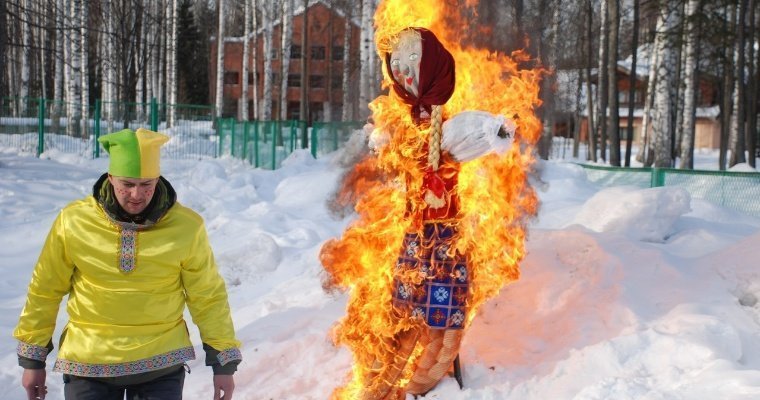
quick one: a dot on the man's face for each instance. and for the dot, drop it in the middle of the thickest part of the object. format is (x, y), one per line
(405, 61)
(133, 194)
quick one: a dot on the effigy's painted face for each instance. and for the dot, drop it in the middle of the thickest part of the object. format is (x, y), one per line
(405, 61)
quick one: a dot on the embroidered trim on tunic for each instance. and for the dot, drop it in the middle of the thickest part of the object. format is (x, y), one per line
(32, 351)
(157, 362)
(228, 355)
(128, 238)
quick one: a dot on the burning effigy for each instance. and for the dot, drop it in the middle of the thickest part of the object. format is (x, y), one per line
(442, 200)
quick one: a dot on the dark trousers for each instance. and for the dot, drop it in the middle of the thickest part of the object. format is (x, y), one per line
(166, 387)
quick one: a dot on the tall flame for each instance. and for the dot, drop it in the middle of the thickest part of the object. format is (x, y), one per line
(495, 198)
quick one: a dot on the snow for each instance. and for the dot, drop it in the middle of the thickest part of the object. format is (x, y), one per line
(626, 293)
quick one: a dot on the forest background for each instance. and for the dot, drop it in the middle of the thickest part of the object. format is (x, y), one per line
(76, 51)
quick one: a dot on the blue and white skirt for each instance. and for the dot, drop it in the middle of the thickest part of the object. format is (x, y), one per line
(431, 281)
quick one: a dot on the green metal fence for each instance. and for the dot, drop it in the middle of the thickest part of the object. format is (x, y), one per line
(329, 136)
(736, 190)
(35, 126)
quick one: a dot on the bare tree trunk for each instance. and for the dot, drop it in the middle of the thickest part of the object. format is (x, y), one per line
(303, 110)
(690, 92)
(614, 102)
(365, 59)
(74, 77)
(753, 69)
(84, 49)
(243, 101)
(43, 34)
(738, 137)
(602, 80)
(577, 119)
(589, 90)
(255, 61)
(632, 83)
(26, 41)
(347, 114)
(662, 124)
(171, 60)
(219, 97)
(286, 38)
(59, 66)
(645, 155)
(328, 110)
(268, 21)
(727, 92)
(3, 40)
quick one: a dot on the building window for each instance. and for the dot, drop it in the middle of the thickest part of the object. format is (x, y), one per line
(275, 52)
(316, 81)
(317, 52)
(337, 82)
(231, 77)
(294, 80)
(295, 51)
(294, 110)
(337, 53)
(250, 78)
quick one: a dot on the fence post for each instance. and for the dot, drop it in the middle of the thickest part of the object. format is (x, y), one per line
(256, 143)
(153, 114)
(40, 126)
(219, 134)
(313, 143)
(277, 129)
(245, 140)
(658, 177)
(95, 143)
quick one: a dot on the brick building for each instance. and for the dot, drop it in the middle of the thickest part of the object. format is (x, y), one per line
(325, 37)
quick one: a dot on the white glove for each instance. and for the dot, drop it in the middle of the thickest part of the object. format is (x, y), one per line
(471, 134)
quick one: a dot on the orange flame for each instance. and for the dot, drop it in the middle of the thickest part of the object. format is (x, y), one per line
(495, 198)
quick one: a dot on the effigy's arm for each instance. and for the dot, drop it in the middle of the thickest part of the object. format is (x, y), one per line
(472, 134)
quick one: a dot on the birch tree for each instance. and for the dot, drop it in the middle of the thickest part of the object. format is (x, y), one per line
(752, 69)
(26, 40)
(3, 40)
(74, 93)
(286, 38)
(602, 80)
(329, 57)
(255, 61)
(589, 89)
(613, 101)
(632, 83)
(365, 58)
(84, 17)
(219, 98)
(347, 112)
(268, 22)
(668, 19)
(171, 61)
(727, 105)
(738, 127)
(59, 66)
(690, 93)
(243, 102)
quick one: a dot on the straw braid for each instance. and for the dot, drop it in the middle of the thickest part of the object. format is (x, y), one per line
(440, 351)
(434, 145)
(383, 386)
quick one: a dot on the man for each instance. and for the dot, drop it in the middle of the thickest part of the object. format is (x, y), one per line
(129, 257)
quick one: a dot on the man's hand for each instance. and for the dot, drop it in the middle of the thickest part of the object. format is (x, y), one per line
(33, 380)
(224, 385)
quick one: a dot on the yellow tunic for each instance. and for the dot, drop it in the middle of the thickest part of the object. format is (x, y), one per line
(127, 288)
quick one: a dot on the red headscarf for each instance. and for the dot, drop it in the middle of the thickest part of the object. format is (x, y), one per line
(436, 83)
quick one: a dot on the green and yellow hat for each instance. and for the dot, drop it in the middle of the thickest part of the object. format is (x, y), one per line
(134, 154)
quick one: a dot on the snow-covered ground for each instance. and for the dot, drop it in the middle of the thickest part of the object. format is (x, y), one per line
(653, 298)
